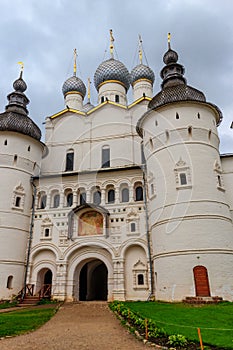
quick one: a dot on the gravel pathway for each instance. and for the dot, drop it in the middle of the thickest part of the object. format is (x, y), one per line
(82, 326)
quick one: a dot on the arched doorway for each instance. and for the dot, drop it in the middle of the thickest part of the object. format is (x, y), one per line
(44, 283)
(201, 281)
(93, 281)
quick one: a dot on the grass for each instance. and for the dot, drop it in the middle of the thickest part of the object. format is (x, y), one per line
(19, 322)
(215, 321)
(7, 304)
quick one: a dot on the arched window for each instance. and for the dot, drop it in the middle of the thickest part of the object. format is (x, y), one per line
(102, 99)
(105, 156)
(139, 193)
(43, 201)
(69, 161)
(140, 279)
(117, 98)
(56, 200)
(97, 197)
(82, 198)
(9, 282)
(111, 196)
(125, 195)
(5, 143)
(69, 199)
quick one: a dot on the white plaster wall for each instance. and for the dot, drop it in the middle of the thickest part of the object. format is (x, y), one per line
(142, 87)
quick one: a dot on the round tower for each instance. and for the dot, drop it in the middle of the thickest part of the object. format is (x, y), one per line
(142, 78)
(74, 90)
(191, 226)
(112, 79)
(20, 154)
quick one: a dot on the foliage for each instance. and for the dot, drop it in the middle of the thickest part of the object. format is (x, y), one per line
(7, 304)
(45, 301)
(177, 340)
(18, 322)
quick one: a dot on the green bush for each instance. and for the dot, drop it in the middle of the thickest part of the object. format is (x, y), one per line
(177, 340)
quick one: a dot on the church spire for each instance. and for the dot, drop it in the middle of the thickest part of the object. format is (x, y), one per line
(140, 49)
(111, 44)
(75, 64)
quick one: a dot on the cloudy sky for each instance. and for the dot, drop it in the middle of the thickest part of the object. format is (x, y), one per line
(44, 33)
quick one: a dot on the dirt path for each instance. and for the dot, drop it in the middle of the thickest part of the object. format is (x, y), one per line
(82, 326)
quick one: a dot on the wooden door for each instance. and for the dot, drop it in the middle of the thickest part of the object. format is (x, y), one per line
(201, 281)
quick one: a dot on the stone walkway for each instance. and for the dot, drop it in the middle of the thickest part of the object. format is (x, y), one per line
(81, 326)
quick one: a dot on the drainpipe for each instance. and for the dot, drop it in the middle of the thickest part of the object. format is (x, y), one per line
(30, 237)
(147, 223)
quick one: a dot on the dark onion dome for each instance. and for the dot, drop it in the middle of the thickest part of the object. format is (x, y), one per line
(112, 70)
(142, 72)
(87, 107)
(15, 118)
(74, 84)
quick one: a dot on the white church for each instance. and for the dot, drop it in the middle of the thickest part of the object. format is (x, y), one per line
(121, 201)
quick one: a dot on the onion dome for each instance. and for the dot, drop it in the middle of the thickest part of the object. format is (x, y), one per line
(15, 118)
(111, 70)
(74, 84)
(142, 72)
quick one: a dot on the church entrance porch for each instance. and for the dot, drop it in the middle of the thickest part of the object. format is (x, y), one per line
(93, 281)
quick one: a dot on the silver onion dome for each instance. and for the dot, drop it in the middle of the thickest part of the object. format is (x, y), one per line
(112, 70)
(74, 84)
(142, 72)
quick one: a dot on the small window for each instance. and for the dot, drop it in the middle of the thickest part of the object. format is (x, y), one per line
(69, 199)
(111, 196)
(105, 157)
(82, 198)
(47, 232)
(29, 148)
(117, 98)
(177, 116)
(190, 131)
(219, 181)
(5, 143)
(17, 201)
(132, 227)
(69, 161)
(102, 99)
(183, 179)
(151, 144)
(156, 123)
(43, 202)
(139, 193)
(9, 282)
(56, 201)
(125, 195)
(97, 197)
(152, 191)
(198, 115)
(15, 159)
(140, 279)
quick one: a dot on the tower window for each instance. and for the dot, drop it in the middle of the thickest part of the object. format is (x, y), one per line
(132, 227)
(9, 282)
(198, 115)
(47, 232)
(29, 148)
(177, 116)
(69, 161)
(152, 189)
(117, 98)
(105, 156)
(82, 198)
(15, 159)
(140, 279)
(125, 195)
(183, 179)
(219, 181)
(43, 201)
(139, 193)
(17, 201)
(102, 99)
(111, 196)
(5, 143)
(56, 201)
(69, 199)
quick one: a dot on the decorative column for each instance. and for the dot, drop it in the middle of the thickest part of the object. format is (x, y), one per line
(118, 276)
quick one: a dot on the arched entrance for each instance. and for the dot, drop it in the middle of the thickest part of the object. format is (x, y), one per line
(93, 281)
(201, 281)
(44, 283)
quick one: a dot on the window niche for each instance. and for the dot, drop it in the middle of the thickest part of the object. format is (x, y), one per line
(140, 276)
(132, 221)
(9, 283)
(105, 162)
(219, 177)
(182, 175)
(18, 198)
(69, 161)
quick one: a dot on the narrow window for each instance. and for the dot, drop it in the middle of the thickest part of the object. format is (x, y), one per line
(69, 161)
(46, 232)
(177, 116)
(167, 135)
(140, 279)
(125, 195)
(143, 154)
(97, 197)
(198, 115)
(82, 198)
(132, 227)
(43, 201)
(15, 159)
(29, 148)
(151, 144)
(117, 98)
(5, 143)
(139, 193)
(105, 157)
(209, 134)
(17, 201)
(102, 99)
(156, 123)
(152, 189)
(219, 181)
(190, 131)
(69, 199)
(183, 179)
(111, 196)
(9, 282)
(56, 201)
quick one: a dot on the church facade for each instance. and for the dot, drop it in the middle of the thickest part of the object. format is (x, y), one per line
(121, 201)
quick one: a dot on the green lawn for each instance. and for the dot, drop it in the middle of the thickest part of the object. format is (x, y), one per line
(18, 322)
(215, 321)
